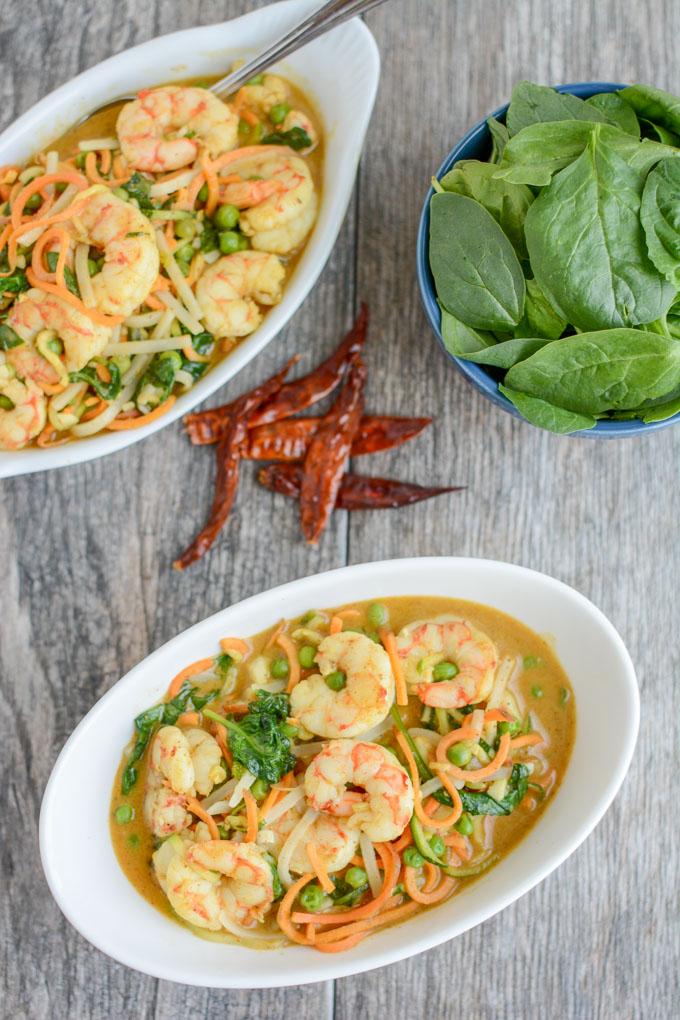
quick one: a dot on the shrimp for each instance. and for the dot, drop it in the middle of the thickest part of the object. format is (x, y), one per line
(181, 763)
(271, 91)
(277, 193)
(164, 129)
(230, 291)
(424, 644)
(29, 364)
(334, 840)
(131, 258)
(37, 310)
(385, 807)
(23, 412)
(363, 701)
(205, 757)
(244, 883)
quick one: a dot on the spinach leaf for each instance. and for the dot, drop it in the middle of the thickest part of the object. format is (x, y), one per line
(209, 237)
(658, 133)
(661, 412)
(297, 138)
(259, 741)
(15, 283)
(461, 340)
(105, 390)
(69, 276)
(615, 369)
(138, 187)
(540, 318)
(507, 202)
(476, 803)
(586, 244)
(532, 104)
(617, 111)
(477, 273)
(660, 216)
(545, 415)
(508, 353)
(499, 139)
(8, 338)
(654, 104)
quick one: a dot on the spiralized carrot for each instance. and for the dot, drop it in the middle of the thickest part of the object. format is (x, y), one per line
(359, 927)
(497, 715)
(268, 802)
(71, 299)
(251, 816)
(335, 625)
(283, 915)
(404, 840)
(284, 642)
(210, 175)
(471, 775)
(37, 185)
(189, 719)
(389, 641)
(123, 424)
(218, 732)
(391, 872)
(423, 817)
(319, 869)
(526, 740)
(422, 895)
(235, 644)
(184, 674)
(196, 809)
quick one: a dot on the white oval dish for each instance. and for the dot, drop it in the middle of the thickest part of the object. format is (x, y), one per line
(346, 57)
(96, 897)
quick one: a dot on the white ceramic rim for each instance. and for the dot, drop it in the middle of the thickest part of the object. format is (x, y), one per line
(129, 70)
(363, 957)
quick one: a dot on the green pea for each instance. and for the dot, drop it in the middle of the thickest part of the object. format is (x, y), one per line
(279, 668)
(256, 80)
(121, 193)
(532, 662)
(185, 229)
(465, 826)
(459, 754)
(308, 617)
(123, 814)
(537, 691)
(312, 897)
(203, 194)
(56, 346)
(80, 160)
(185, 253)
(438, 846)
(356, 877)
(133, 840)
(92, 267)
(59, 187)
(377, 615)
(226, 217)
(306, 656)
(413, 858)
(33, 203)
(259, 789)
(336, 680)
(5, 403)
(508, 727)
(184, 267)
(279, 112)
(229, 242)
(445, 671)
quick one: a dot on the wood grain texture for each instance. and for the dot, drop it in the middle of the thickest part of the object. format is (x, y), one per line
(88, 590)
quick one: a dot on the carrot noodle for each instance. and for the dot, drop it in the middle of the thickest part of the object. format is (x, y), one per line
(236, 708)
(526, 740)
(404, 840)
(193, 190)
(119, 425)
(275, 633)
(189, 719)
(283, 915)
(472, 775)
(268, 802)
(390, 642)
(335, 625)
(51, 234)
(359, 927)
(432, 876)
(423, 817)
(196, 809)
(106, 160)
(50, 437)
(71, 299)
(497, 715)
(284, 642)
(211, 181)
(425, 895)
(196, 667)
(319, 869)
(251, 816)
(219, 733)
(234, 644)
(391, 870)
(191, 355)
(37, 185)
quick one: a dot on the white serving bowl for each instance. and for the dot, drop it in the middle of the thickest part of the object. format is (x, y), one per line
(339, 71)
(97, 898)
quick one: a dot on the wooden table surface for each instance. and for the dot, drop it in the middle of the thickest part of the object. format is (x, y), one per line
(88, 590)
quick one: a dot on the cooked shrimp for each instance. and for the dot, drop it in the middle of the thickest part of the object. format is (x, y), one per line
(206, 758)
(231, 290)
(23, 412)
(29, 364)
(277, 194)
(165, 810)
(361, 703)
(385, 807)
(164, 129)
(423, 645)
(246, 883)
(334, 840)
(128, 242)
(271, 91)
(298, 119)
(82, 338)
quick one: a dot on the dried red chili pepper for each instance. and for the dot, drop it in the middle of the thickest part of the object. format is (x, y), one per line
(328, 452)
(206, 426)
(288, 440)
(356, 492)
(228, 458)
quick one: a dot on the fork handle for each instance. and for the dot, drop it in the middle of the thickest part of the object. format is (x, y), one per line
(322, 19)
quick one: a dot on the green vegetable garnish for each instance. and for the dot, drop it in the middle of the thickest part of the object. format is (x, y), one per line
(306, 656)
(336, 680)
(123, 814)
(105, 390)
(296, 138)
(279, 668)
(445, 671)
(138, 187)
(413, 857)
(258, 741)
(312, 897)
(8, 338)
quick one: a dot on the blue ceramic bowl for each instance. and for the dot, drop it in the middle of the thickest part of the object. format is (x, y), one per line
(476, 144)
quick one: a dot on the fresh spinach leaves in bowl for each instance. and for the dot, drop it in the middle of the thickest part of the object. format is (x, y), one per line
(556, 262)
